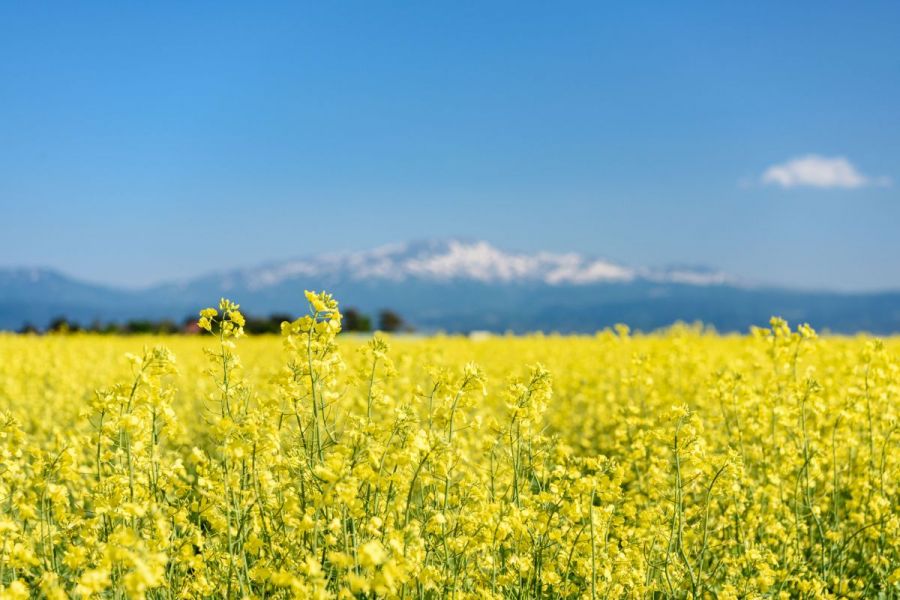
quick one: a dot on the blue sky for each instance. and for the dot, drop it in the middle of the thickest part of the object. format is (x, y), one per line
(143, 142)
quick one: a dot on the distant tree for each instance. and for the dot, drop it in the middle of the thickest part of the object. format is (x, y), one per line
(166, 326)
(62, 325)
(139, 326)
(111, 328)
(255, 325)
(279, 318)
(388, 321)
(263, 325)
(27, 328)
(355, 321)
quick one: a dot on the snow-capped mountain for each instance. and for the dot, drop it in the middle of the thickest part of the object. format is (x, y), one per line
(456, 260)
(458, 285)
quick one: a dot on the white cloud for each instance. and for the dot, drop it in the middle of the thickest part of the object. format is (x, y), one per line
(817, 171)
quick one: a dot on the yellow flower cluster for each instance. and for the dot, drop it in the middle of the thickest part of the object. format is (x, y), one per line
(682, 464)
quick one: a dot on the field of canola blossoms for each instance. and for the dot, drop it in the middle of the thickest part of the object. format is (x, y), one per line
(683, 464)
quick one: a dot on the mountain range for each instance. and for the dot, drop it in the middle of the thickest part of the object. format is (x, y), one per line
(459, 285)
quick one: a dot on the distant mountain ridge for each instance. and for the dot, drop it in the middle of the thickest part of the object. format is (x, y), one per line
(459, 285)
(454, 260)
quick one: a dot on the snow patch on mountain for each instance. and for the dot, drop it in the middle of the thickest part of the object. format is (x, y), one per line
(461, 260)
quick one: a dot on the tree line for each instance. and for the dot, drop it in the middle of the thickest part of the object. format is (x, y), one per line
(353, 321)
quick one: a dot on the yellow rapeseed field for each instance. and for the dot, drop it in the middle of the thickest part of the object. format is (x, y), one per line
(683, 464)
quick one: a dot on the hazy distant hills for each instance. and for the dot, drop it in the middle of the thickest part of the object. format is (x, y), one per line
(459, 285)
